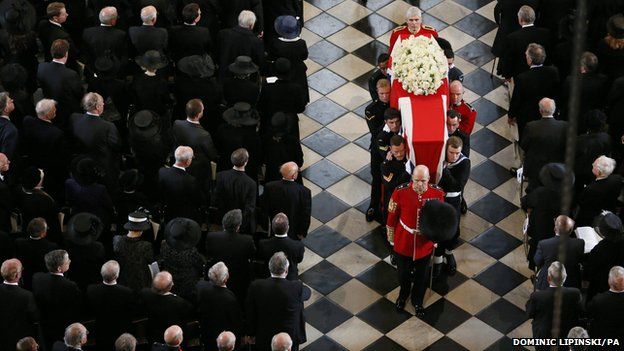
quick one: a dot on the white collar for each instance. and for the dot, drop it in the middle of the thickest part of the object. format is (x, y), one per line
(9, 283)
(277, 276)
(59, 274)
(1, 176)
(548, 117)
(611, 290)
(451, 66)
(535, 66)
(190, 24)
(178, 167)
(238, 169)
(281, 236)
(57, 61)
(191, 121)
(5, 116)
(54, 23)
(527, 25)
(110, 284)
(92, 114)
(289, 40)
(45, 120)
(150, 73)
(105, 25)
(31, 238)
(288, 180)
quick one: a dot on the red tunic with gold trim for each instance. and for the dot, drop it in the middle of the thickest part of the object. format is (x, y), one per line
(469, 116)
(402, 32)
(403, 216)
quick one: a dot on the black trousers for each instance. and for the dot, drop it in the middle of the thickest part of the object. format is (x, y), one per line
(450, 244)
(412, 278)
(375, 199)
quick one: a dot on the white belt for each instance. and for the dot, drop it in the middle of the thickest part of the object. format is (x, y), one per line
(454, 194)
(408, 229)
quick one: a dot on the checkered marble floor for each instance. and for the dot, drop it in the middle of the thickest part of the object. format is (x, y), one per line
(346, 264)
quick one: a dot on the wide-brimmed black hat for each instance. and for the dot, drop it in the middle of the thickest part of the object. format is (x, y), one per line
(85, 170)
(241, 114)
(197, 66)
(608, 224)
(106, 67)
(151, 60)
(282, 67)
(280, 124)
(243, 65)
(595, 119)
(552, 175)
(182, 233)
(144, 124)
(137, 221)
(287, 27)
(130, 180)
(438, 221)
(31, 176)
(17, 15)
(615, 26)
(83, 228)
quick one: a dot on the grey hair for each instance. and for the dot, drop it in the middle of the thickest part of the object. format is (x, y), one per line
(536, 53)
(547, 107)
(578, 333)
(74, 334)
(110, 271)
(526, 14)
(148, 14)
(281, 342)
(44, 106)
(232, 220)
(278, 264)
(605, 165)
(246, 19)
(125, 342)
(108, 15)
(616, 278)
(557, 273)
(183, 153)
(226, 341)
(91, 100)
(218, 274)
(54, 259)
(413, 12)
(280, 224)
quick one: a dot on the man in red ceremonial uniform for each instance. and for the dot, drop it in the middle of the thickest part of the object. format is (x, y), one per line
(413, 17)
(468, 113)
(412, 249)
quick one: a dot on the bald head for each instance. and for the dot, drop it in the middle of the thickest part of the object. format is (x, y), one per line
(226, 341)
(420, 179)
(173, 336)
(563, 225)
(281, 342)
(456, 89)
(162, 283)
(11, 270)
(289, 170)
(547, 107)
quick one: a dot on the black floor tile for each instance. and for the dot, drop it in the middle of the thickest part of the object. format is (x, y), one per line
(476, 26)
(324, 173)
(325, 241)
(325, 53)
(318, 277)
(324, 343)
(504, 344)
(324, 4)
(375, 242)
(325, 315)
(495, 242)
(324, 142)
(383, 316)
(381, 277)
(374, 25)
(500, 279)
(324, 111)
(480, 82)
(446, 283)
(503, 316)
(433, 22)
(487, 111)
(473, 4)
(477, 52)
(386, 344)
(445, 316)
(490, 174)
(370, 51)
(487, 142)
(326, 207)
(325, 24)
(325, 81)
(445, 344)
(365, 174)
(374, 4)
(362, 81)
(493, 208)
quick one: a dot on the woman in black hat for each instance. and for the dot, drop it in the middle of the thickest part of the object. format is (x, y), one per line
(243, 83)
(589, 146)
(18, 42)
(130, 198)
(240, 131)
(610, 50)
(87, 253)
(607, 253)
(280, 145)
(150, 90)
(133, 253)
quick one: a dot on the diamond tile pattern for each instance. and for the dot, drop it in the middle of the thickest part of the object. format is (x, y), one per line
(347, 259)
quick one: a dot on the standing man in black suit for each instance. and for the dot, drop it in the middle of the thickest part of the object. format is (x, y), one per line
(230, 12)
(217, 306)
(163, 308)
(105, 40)
(236, 190)
(112, 306)
(548, 252)
(8, 131)
(51, 29)
(60, 83)
(543, 142)
(146, 36)
(58, 298)
(280, 241)
(236, 250)
(291, 198)
(540, 304)
(189, 38)
(506, 16)
(18, 311)
(601, 194)
(30, 250)
(98, 138)
(530, 87)
(240, 40)
(74, 339)
(275, 305)
(607, 309)
(512, 62)
(179, 191)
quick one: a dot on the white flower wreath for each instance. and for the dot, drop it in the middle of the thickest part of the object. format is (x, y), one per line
(420, 65)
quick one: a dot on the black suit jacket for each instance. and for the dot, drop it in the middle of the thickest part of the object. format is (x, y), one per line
(63, 85)
(48, 33)
(231, 9)
(540, 308)
(293, 249)
(112, 307)
(274, 9)
(594, 89)
(283, 95)
(275, 305)
(548, 252)
(99, 139)
(8, 139)
(180, 194)
(607, 312)
(218, 311)
(597, 196)
(506, 16)
(101, 41)
(30, 252)
(239, 41)
(194, 135)
(164, 311)
(144, 38)
(18, 314)
(236, 190)
(543, 141)
(60, 303)
(513, 61)
(294, 200)
(187, 40)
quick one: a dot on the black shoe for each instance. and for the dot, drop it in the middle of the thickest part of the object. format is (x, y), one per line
(437, 269)
(451, 264)
(400, 304)
(463, 208)
(370, 214)
(419, 311)
(513, 171)
(392, 260)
